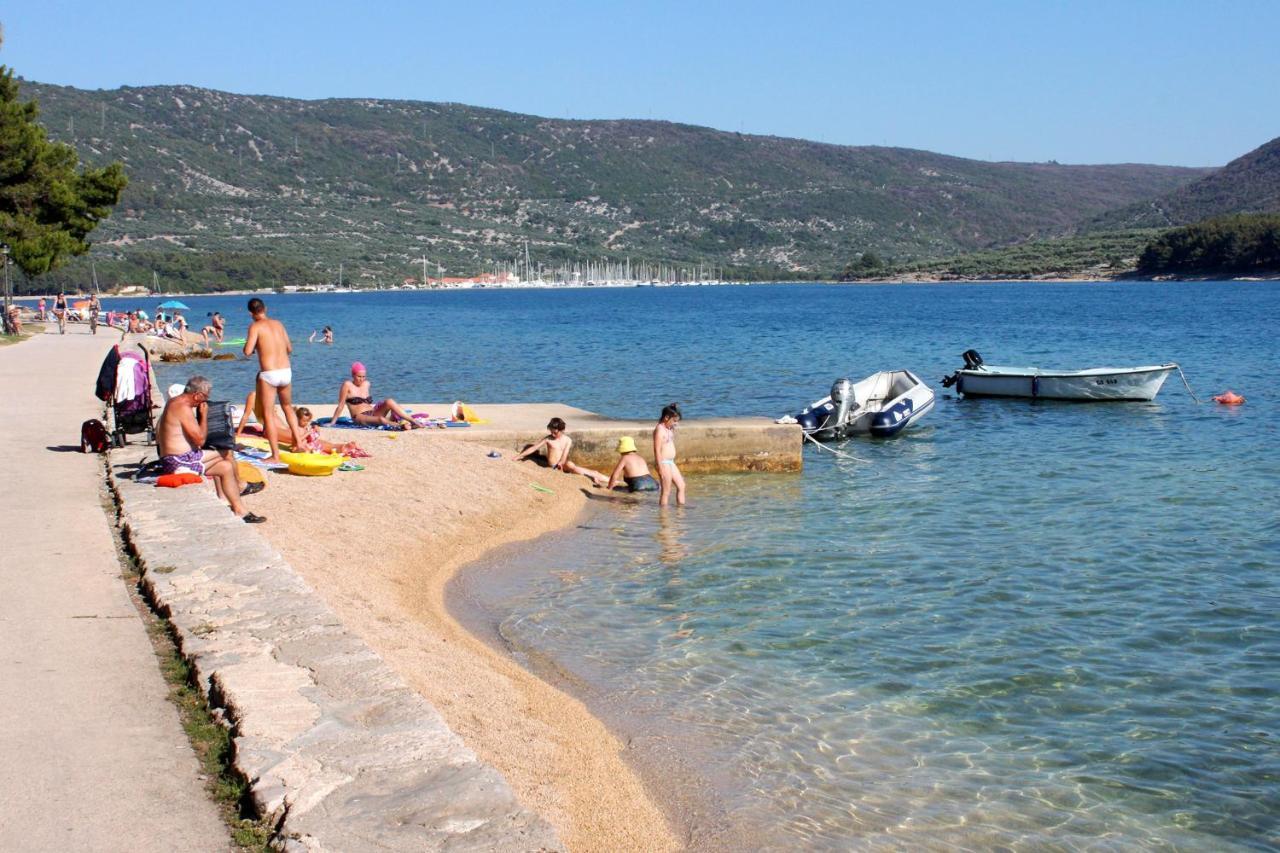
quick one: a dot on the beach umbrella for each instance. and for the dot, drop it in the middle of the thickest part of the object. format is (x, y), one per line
(175, 305)
(143, 315)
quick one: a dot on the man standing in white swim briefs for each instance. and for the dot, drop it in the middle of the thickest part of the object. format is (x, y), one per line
(270, 340)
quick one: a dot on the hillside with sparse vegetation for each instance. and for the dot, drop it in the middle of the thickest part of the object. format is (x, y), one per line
(1248, 184)
(234, 191)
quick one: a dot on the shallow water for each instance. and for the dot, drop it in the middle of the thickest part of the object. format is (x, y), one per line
(1020, 625)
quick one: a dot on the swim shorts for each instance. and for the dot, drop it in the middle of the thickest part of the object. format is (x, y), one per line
(191, 462)
(643, 483)
(277, 378)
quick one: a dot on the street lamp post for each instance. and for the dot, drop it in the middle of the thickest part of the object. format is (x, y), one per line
(8, 299)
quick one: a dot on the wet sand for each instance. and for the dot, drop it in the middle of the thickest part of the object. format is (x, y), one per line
(380, 546)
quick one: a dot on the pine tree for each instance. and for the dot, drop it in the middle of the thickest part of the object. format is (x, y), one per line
(48, 204)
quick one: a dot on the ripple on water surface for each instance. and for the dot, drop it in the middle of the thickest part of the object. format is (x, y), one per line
(1023, 626)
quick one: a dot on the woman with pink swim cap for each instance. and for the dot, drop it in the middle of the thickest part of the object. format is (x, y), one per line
(356, 395)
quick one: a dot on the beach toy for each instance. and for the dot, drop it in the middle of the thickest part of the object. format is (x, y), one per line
(312, 464)
(248, 473)
(542, 489)
(173, 481)
(463, 412)
(1228, 398)
(233, 342)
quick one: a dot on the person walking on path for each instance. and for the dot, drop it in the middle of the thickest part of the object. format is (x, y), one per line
(60, 311)
(94, 307)
(268, 338)
(664, 452)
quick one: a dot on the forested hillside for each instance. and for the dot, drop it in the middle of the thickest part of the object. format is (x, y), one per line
(279, 189)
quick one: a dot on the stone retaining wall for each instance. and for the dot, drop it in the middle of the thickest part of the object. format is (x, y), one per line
(334, 744)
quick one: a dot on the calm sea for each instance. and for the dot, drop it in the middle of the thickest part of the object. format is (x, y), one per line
(1028, 626)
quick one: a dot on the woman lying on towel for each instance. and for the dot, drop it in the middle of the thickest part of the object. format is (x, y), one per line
(356, 395)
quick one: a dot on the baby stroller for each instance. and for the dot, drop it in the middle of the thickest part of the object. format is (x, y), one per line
(124, 381)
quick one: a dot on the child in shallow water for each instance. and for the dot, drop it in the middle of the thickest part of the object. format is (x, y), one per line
(313, 443)
(631, 468)
(664, 451)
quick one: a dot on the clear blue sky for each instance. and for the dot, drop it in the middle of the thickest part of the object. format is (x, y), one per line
(1167, 81)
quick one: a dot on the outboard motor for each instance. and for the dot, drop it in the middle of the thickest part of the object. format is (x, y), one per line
(842, 397)
(972, 361)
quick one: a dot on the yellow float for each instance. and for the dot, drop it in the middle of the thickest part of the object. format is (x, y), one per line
(312, 464)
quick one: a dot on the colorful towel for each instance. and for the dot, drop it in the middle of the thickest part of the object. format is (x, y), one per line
(347, 423)
(257, 458)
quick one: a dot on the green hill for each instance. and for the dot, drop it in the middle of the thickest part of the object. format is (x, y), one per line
(1102, 255)
(1241, 244)
(1248, 184)
(228, 190)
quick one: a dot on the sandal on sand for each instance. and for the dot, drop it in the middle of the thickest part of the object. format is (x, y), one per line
(252, 488)
(250, 518)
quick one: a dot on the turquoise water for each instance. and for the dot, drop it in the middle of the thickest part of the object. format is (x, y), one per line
(1022, 625)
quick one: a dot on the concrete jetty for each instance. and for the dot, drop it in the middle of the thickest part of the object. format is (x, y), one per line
(706, 445)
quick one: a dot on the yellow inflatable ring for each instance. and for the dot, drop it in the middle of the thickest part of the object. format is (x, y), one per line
(312, 464)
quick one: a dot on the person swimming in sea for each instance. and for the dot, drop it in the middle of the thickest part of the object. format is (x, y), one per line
(664, 451)
(326, 335)
(631, 469)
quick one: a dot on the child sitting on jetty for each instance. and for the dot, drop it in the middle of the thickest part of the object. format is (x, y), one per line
(632, 468)
(554, 453)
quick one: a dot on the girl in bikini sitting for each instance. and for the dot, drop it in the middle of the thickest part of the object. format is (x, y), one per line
(312, 442)
(356, 395)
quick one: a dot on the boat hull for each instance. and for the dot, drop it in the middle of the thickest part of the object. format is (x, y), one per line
(1097, 385)
(887, 403)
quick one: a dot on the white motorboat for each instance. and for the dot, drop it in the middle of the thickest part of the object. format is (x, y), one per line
(978, 379)
(882, 405)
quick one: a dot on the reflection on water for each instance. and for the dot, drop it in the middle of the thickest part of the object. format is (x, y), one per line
(671, 548)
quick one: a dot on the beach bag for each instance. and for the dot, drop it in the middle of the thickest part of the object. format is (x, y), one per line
(105, 388)
(94, 437)
(248, 473)
(221, 433)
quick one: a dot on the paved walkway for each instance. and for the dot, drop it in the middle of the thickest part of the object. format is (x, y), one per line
(92, 756)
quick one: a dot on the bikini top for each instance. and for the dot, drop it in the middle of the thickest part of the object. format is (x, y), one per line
(359, 401)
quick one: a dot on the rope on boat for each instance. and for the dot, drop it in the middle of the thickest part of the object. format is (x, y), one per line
(822, 446)
(1188, 384)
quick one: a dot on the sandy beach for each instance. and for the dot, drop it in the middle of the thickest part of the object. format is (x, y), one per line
(380, 545)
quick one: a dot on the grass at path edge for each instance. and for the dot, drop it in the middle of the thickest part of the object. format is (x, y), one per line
(209, 736)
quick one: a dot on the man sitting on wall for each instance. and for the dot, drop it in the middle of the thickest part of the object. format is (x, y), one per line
(182, 433)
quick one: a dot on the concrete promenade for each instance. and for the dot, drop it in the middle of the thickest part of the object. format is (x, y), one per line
(94, 757)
